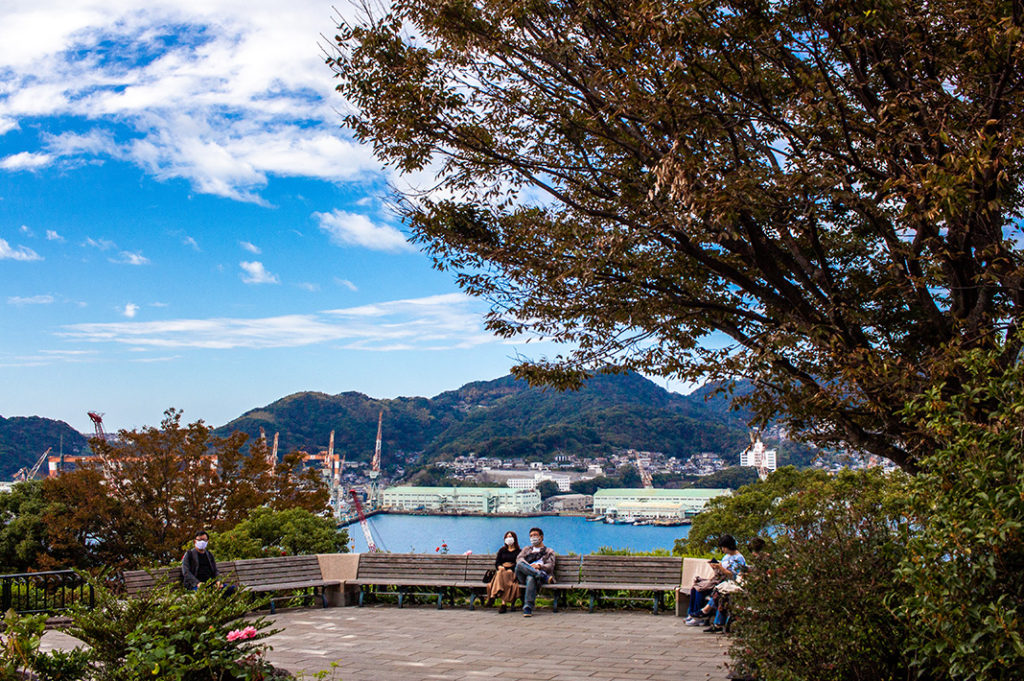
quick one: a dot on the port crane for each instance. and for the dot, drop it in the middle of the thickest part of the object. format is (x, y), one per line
(375, 466)
(364, 523)
(97, 424)
(27, 473)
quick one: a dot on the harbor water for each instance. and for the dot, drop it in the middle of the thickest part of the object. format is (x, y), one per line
(402, 533)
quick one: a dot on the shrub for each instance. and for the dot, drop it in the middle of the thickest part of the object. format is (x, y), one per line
(965, 562)
(172, 634)
(63, 665)
(19, 643)
(266, 532)
(749, 512)
(814, 606)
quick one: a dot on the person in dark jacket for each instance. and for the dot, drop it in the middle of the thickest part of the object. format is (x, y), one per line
(504, 585)
(534, 568)
(198, 565)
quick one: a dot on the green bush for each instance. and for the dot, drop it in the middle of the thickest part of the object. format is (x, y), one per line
(172, 634)
(965, 562)
(266, 532)
(814, 606)
(749, 512)
(19, 643)
(63, 665)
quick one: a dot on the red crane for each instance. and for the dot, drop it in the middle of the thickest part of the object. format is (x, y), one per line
(370, 546)
(97, 424)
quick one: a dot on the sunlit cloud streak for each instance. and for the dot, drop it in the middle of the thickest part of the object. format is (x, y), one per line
(442, 322)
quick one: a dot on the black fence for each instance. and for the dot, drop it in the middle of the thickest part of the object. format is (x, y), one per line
(34, 592)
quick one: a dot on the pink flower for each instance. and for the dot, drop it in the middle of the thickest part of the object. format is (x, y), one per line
(242, 634)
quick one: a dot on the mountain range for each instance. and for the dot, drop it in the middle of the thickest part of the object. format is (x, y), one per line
(503, 418)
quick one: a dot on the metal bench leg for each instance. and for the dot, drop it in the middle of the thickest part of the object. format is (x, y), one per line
(472, 601)
(401, 597)
(440, 600)
(272, 608)
(593, 600)
(361, 594)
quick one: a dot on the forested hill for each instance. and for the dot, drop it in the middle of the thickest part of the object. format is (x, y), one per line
(506, 418)
(24, 438)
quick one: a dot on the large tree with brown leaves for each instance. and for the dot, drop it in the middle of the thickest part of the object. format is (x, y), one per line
(820, 195)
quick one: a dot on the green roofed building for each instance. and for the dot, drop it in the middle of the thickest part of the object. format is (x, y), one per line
(482, 500)
(675, 504)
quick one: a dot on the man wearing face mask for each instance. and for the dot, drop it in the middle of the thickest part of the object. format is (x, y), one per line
(198, 565)
(534, 567)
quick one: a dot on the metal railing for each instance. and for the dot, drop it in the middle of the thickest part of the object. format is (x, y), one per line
(35, 592)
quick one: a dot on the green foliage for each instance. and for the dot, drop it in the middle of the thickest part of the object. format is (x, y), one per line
(733, 477)
(547, 488)
(22, 526)
(814, 606)
(267, 532)
(609, 551)
(751, 511)
(63, 665)
(19, 643)
(965, 560)
(169, 633)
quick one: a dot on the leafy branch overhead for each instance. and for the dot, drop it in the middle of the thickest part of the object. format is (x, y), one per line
(821, 196)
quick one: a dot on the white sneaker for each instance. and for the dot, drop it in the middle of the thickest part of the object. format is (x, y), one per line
(691, 622)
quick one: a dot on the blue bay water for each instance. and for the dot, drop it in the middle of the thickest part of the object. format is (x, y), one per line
(400, 533)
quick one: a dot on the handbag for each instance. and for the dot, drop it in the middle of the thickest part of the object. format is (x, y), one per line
(488, 576)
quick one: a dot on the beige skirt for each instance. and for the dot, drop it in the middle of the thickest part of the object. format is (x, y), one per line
(503, 586)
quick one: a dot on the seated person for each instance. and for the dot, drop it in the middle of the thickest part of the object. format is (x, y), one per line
(504, 585)
(198, 565)
(701, 596)
(534, 567)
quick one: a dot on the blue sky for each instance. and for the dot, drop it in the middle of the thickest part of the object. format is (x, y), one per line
(183, 223)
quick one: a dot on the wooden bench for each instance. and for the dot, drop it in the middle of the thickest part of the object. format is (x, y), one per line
(411, 574)
(259, 575)
(137, 581)
(286, 574)
(692, 567)
(634, 574)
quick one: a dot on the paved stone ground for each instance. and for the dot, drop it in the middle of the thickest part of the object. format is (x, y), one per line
(420, 643)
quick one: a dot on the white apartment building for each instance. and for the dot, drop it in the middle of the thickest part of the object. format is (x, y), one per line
(756, 454)
(653, 503)
(562, 480)
(481, 500)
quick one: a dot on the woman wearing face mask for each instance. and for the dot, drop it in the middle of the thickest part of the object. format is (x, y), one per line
(504, 585)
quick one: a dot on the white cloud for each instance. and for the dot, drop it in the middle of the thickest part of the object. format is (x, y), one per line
(52, 235)
(26, 230)
(25, 160)
(189, 241)
(130, 310)
(308, 286)
(252, 248)
(221, 93)
(23, 253)
(130, 258)
(31, 300)
(442, 322)
(346, 283)
(102, 244)
(352, 229)
(255, 273)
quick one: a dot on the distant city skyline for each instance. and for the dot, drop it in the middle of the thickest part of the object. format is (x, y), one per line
(183, 223)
